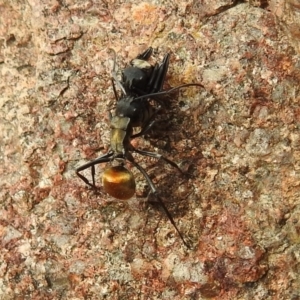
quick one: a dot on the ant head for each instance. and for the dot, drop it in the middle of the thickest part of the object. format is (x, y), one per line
(118, 182)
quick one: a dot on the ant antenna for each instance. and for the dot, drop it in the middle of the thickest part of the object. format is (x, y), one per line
(168, 91)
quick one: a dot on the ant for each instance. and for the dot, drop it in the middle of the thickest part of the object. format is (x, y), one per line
(140, 85)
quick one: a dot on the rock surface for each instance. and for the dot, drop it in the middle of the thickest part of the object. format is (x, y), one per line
(238, 139)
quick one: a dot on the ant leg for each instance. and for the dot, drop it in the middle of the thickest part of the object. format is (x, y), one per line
(148, 125)
(99, 160)
(146, 54)
(114, 89)
(158, 76)
(115, 77)
(119, 84)
(163, 69)
(144, 129)
(154, 192)
(152, 79)
(158, 156)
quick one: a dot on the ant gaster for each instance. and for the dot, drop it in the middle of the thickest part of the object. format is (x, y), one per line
(140, 85)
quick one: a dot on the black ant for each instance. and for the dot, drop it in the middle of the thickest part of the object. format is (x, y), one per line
(140, 85)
